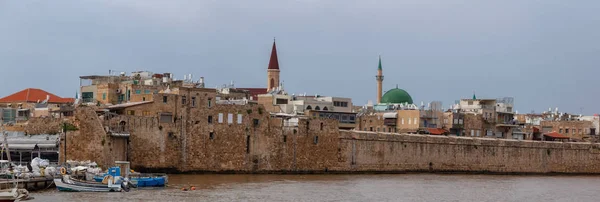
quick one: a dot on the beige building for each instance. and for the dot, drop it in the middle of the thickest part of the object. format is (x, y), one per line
(397, 121)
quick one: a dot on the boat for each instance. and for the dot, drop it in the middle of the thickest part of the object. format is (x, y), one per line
(66, 183)
(136, 179)
(141, 180)
(8, 195)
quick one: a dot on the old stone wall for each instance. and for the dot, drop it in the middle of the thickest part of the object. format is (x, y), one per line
(46, 125)
(88, 142)
(366, 151)
(246, 139)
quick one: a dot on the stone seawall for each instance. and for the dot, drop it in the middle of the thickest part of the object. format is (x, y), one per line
(372, 152)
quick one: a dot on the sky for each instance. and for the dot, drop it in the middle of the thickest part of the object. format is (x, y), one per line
(544, 53)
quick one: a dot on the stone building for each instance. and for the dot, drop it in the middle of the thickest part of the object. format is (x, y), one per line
(574, 129)
(497, 115)
(137, 87)
(193, 131)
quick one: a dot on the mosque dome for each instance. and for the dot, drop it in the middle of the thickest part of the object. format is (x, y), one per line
(396, 96)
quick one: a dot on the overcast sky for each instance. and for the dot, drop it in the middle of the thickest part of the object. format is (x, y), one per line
(544, 53)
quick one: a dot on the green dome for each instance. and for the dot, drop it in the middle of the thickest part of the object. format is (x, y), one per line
(396, 96)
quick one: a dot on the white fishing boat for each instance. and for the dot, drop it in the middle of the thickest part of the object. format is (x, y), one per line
(66, 183)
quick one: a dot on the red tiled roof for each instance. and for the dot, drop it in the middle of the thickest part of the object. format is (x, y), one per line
(556, 135)
(254, 92)
(436, 131)
(273, 62)
(33, 95)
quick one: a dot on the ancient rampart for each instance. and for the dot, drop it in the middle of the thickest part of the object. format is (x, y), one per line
(259, 143)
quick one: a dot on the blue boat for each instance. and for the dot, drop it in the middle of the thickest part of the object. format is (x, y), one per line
(137, 179)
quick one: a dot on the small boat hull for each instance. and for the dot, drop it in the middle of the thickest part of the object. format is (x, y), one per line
(67, 185)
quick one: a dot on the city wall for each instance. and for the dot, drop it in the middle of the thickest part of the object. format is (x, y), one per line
(264, 144)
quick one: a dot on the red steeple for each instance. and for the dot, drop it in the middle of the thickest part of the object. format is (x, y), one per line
(273, 62)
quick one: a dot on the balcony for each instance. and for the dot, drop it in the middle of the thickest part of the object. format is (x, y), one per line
(88, 100)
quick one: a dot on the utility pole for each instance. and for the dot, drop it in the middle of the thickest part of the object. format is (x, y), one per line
(65, 146)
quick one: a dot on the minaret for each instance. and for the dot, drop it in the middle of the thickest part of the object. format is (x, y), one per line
(379, 78)
(273, 70)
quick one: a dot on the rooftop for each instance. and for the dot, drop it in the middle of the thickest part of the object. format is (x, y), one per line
(34, 95)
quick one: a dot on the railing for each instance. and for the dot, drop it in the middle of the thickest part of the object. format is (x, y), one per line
(87, 100)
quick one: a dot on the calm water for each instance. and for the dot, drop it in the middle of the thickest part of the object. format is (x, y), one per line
(401, 187)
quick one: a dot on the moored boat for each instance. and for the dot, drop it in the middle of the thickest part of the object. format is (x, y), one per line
(67, 184)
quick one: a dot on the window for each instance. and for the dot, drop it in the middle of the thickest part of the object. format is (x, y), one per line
(402, 121)
(128, 94)
(460, 121)
(230, 118)
(165, 99)
(193, 101)
(340, 104)
(445, 121)
(166, 118)
(183, 100)
(560, 130)
(470, 103)
(574, 130)
(365, 129)
(130, 112)
(220, 117)
(138, 91)
(409, 121)
(478, 133)
(211, 135)
(285, 138)
(146, 91)
(281, 101)
(308, 108)
(325, 109)
(103, 96)
(567, 131)
(455, 121)
(321, 126)
(247, 144)
(143, 98)
(209, 119)
(378, 129)
(87, 96)
(370, 128)
(209, 102)
(472, 133)
(415, 121)
(316, 140)
(317, 108)
(146, 113)
(239, 118)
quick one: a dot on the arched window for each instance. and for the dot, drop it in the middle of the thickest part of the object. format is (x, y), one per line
(321, 125)
(325, 109)
(308, 108)
(272, 84)
(317, 108)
